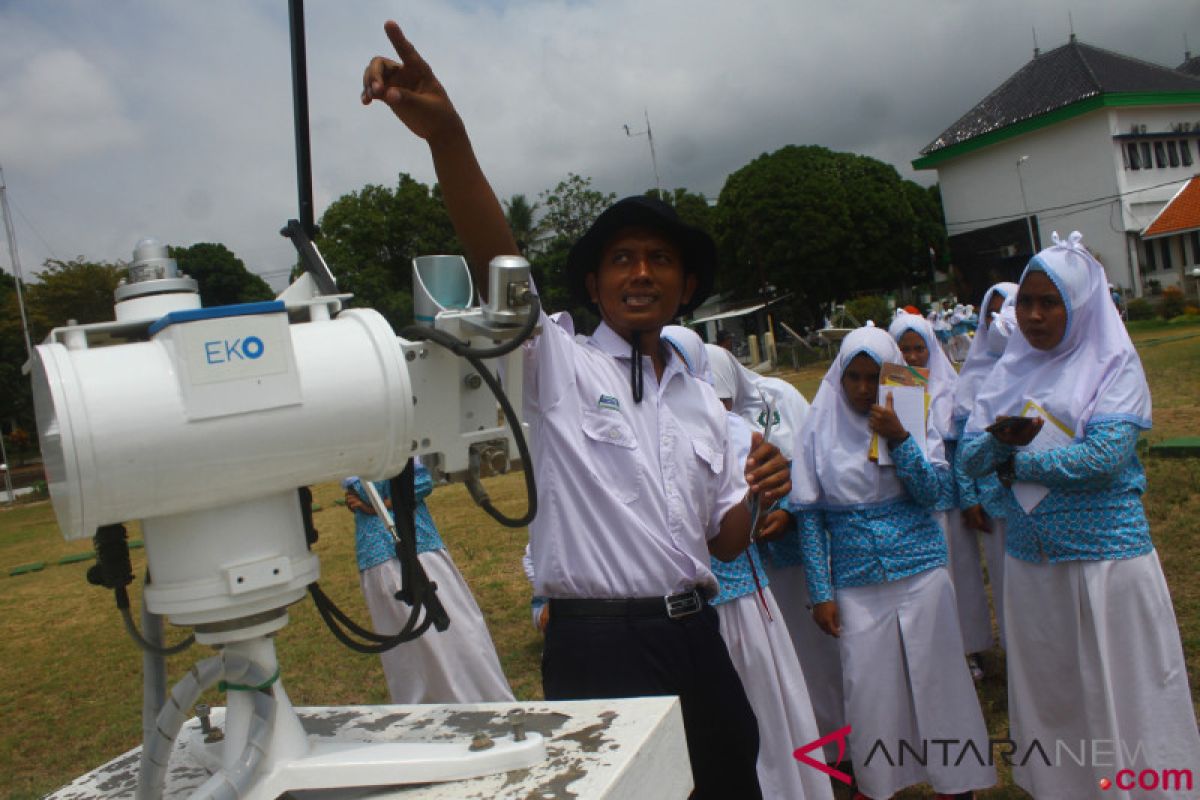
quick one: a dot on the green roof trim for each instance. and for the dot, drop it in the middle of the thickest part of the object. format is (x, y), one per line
(1110, 100)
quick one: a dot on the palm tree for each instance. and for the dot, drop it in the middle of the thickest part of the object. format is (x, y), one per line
(520, 214)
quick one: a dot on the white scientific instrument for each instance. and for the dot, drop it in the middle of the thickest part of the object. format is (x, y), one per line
(203, 422)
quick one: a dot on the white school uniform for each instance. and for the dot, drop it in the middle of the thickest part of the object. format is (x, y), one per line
(659, 475)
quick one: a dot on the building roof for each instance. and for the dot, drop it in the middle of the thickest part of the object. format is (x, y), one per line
(1180, 215)
(1063, 77)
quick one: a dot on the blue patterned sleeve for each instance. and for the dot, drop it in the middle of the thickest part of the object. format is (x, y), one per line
(929, 486)
(968, 491)
(980, 455)
(1088, 464)
(422, 482)
(814, 546)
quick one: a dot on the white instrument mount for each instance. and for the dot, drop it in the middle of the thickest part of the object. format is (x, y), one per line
(202, 423)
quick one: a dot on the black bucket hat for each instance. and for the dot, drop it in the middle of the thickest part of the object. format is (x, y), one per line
(699, 250)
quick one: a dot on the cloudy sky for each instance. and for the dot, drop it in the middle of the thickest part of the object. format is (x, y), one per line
(125, 119)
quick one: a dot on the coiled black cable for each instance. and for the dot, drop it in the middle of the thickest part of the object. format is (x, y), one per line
(474, 358)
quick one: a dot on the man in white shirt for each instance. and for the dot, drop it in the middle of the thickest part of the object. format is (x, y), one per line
(637, 483)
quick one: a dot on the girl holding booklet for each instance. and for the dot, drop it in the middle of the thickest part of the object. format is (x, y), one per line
(918, 344)
(1093, 647)
(875, 562)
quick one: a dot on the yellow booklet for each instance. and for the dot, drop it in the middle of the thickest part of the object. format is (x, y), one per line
(909, 387)
(1053, 435)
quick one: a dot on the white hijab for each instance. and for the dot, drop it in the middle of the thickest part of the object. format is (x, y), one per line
(1092, 375)
(690, 347)
(942, 376)
(748, 390)
(987, 346)
(831, 466)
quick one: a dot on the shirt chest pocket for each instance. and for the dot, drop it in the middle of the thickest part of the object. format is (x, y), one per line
(612, 455)
(708, 454)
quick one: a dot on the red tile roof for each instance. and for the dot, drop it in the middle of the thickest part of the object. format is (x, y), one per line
(1180, 215)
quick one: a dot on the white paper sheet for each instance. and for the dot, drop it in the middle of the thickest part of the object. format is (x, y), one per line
(909, 402)
(1050, 437)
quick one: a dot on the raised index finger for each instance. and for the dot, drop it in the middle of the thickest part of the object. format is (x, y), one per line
(404, 48)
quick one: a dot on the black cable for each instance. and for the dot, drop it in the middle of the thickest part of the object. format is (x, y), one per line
(327, 610)
(510, 416)
(415, 587)
(114, 570)
(149, 647)
(464, 349)
(474, 358)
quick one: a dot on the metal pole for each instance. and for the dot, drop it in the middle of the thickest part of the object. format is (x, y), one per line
(932, 274)
(1025, 206)
(8, 487)
(653, 158)
(16, 263)
(300, 111)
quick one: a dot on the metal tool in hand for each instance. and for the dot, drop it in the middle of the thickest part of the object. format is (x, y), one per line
(756, 501)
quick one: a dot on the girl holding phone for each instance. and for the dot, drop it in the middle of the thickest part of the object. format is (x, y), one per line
(1093, 647)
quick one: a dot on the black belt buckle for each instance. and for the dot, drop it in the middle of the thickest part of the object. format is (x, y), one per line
(683, 604)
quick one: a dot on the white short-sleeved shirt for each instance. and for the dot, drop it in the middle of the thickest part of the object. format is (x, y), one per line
(628, 493)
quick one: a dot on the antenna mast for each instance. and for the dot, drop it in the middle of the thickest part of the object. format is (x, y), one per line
(16, 263)
(653, 158)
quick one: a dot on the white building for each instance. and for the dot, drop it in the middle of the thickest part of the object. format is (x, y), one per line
(1080, 138)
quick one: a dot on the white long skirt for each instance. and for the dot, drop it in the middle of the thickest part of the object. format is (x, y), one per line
(1094, 657)
(966, 573)
(765, 660)
(817, 651)
(457, 665)
(993, 554)
(906, 681)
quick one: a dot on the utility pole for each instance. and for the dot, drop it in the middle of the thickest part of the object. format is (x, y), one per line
(653, 158)
(16, 263)
(1025, 205)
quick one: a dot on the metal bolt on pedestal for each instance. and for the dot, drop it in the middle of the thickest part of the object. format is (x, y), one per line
(516, 720)
(211, 734)
(481, 741)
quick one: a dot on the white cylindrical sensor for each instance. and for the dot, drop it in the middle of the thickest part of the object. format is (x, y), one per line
(218, 409)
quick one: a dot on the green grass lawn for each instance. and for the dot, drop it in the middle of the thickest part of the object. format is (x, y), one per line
(71, 697)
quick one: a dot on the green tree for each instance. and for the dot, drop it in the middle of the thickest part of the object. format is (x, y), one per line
(71, 290)
(821, 224)
(521, 215)
(370, 237)
(571, 207)
(692, 208)
(16, 403)
(221, 276)
(929, 231)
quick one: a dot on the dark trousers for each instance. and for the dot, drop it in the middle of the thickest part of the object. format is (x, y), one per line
(602, 657)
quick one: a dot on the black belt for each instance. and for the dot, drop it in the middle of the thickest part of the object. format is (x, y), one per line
(673, 606)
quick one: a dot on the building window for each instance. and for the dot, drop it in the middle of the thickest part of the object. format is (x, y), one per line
(1164, 251)
(1146, 160)
(1131, 156)
(1173, 154)
(1185, 152)
(1148, 250)
(1160, 155)
(1195, 247)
